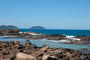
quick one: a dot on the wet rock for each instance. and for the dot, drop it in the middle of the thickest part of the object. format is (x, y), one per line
(22, 56)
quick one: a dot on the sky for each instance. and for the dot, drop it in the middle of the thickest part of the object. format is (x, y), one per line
(52, 14)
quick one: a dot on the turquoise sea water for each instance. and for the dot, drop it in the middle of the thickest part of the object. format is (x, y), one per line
(59, 31)
(41, 43)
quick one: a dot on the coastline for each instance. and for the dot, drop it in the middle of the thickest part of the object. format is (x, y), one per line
(42, 45)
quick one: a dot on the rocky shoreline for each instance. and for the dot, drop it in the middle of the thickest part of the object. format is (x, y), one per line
(17, 51)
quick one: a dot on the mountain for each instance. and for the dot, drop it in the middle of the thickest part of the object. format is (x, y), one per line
(37, 27)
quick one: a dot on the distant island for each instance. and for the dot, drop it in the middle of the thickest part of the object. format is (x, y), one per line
(37, 27)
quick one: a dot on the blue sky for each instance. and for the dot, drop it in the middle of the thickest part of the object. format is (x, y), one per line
(53, 14)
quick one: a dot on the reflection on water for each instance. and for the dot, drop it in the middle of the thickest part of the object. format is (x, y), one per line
(40, 43)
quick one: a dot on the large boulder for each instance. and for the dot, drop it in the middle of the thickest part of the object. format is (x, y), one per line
(22, 56)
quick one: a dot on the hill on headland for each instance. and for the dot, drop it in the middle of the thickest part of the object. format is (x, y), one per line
(4, 27)
(37, 27)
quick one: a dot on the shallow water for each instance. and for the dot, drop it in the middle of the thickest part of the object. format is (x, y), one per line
(41, 43)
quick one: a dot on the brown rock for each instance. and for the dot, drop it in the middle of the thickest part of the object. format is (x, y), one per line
(22, 56)
(17, 43)
(69, 54)
(75, 58)
(44, 48)
(49, 57)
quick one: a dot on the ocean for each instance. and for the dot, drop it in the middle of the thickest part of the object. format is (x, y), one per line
(59, 31)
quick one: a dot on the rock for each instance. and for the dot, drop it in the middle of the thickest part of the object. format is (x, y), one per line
(65, 58)
(69, 54)
(41, 51)
(17, 43)
(49, 57)
(44, 48)
(45, 57)
(27, 44)
(1, 58)
(27, 51)
(38, 53)
(83, 57)
(75, 58)
(22, 56)
(76, 53)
